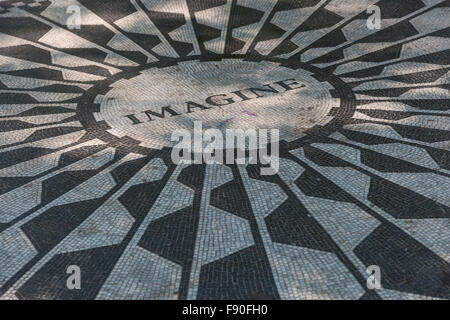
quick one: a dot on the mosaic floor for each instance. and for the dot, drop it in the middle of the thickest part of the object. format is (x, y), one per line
(86, 176)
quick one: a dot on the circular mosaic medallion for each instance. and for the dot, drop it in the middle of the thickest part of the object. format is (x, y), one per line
(221, 94)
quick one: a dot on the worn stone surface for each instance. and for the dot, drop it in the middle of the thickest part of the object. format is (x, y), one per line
(86, 176)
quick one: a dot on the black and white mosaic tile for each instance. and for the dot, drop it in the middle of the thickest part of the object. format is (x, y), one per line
(86, 176)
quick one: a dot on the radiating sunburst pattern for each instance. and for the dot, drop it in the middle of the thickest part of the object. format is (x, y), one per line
(366, 184)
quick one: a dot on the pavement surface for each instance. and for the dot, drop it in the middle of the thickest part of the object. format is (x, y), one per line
(87, 181)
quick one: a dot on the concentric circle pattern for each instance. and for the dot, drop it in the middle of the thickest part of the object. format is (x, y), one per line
(87, 180)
